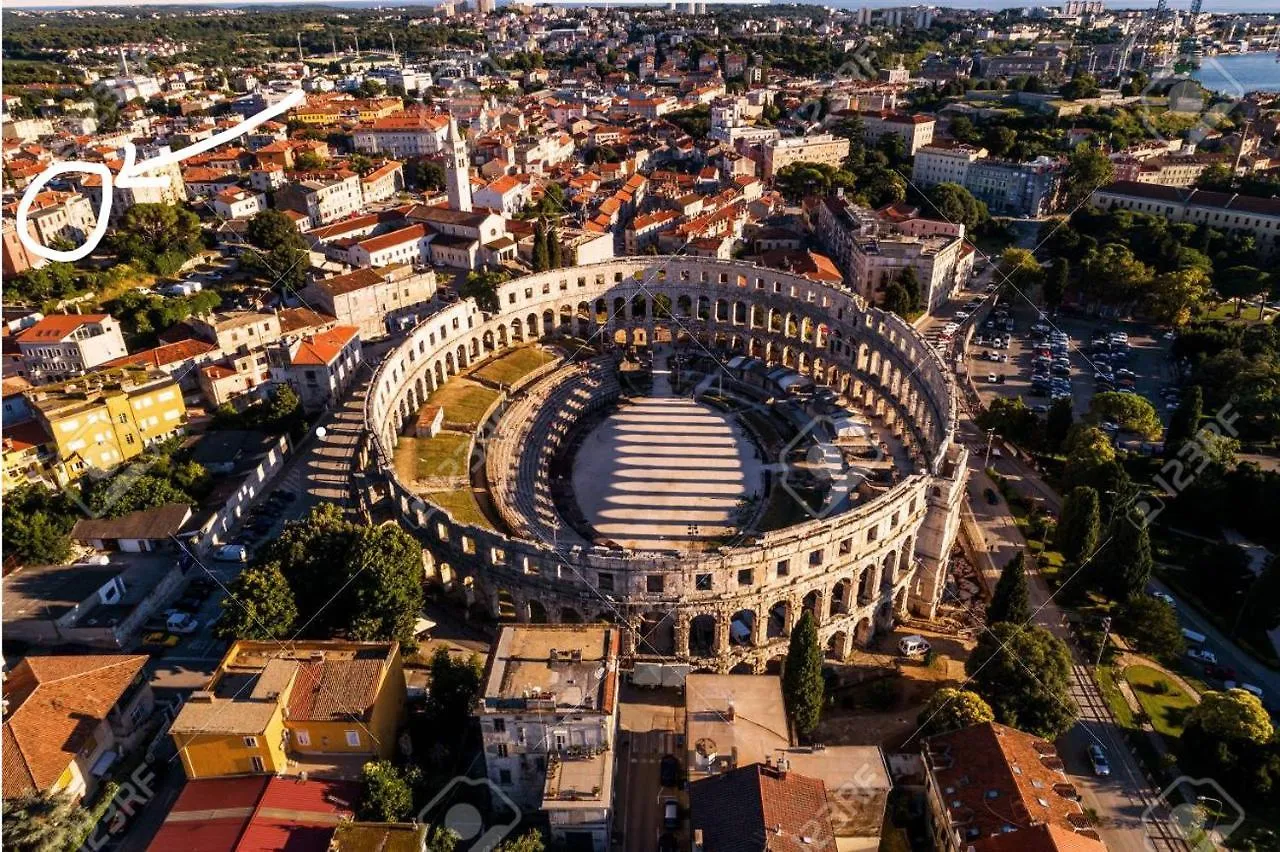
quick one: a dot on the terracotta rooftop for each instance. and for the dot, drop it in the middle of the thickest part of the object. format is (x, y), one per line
(761, 807)
(56, 327)
(321, 349)
(394, 238)
(55, 704)
(168, 353)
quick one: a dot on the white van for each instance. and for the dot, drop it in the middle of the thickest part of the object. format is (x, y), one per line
(231, 553)
(910, 646)
(1193, 637)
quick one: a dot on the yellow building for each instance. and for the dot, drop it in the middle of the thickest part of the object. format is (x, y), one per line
(276, 709)
(105, 418)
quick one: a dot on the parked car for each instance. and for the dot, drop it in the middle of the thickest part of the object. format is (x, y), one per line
(180, 622)
(1098, 760)
(1204, 655)
(991, 496)
(1223, 673)
(912, 646)
(231, 553)
(669, 771)
(1163, 597)
(671, 814)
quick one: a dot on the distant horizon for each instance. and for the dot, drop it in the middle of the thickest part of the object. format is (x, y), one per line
(1234, 7)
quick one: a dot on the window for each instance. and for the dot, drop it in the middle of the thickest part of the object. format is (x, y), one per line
(353, 738)
(303, 737)
(502, 749)
(846, 547)
(745, 577)
(815, 557)
(499, 726)
(251, 742)
(783, 567)
(257, 764)
(604, 581)
(702, 582)
(653, 583)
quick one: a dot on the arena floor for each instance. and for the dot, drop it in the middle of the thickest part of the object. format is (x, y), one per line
(666, 473)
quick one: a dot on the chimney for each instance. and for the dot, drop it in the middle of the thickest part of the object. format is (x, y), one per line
(729, 714)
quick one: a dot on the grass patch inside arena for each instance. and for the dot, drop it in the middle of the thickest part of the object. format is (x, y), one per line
(511, 367)
(461, 505)
(426, 458)
(464, 402)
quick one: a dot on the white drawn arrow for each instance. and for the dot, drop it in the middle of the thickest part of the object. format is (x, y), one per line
(132, 174)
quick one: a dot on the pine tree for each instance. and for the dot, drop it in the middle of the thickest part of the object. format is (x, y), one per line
(1077, 533)
(1185, 421)
(554, 250)
(541, 253)
(1010, 601)
(802, 686)
(1124, 561)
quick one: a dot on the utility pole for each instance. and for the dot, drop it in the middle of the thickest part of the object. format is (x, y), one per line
(1106, 631)
(986, 459)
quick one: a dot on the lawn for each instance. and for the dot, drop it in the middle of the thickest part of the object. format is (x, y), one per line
(423, 458)
(464, 402)
(461, 505)
(1162, 700)
(513, 366)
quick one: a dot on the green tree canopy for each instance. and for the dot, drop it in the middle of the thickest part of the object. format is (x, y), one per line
(158, 236)
(260, 605)
(1010, 600)
(951, 709)
(1024, 673)
(802, 684)
(281, 254)
(1129, 411)
(1088, 169)
(45, 822)
(1153, 627)
(1077, 532)
(1089, 450)
(387, 792)
(1185, 421)
(1123, 564)
(1233, 715)
(956, 204)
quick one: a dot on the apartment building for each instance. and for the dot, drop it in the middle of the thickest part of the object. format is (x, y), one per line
(324, 198)
(1016, 64)
(237, 203)
(232, 331)
(643, 230)
(823, 148)
(60, 215)
(69, 719)
(366, 298)
(1222, 211)
(1166, 171)
(319, 367)
(507, 195)
(872, 252)
(62, 346)
(548, 717)
(382, 183)
(274, 709)
(916, 130)
(171, 191)
(944, 161)
(407, 245)
(1016, 189)
(992, 788)
(400, 136)
(102, 419)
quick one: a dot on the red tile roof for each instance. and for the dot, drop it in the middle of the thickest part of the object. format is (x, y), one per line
(55, 704)
(759, 807)
(323, 348)
(394, 238)
(168, 353)
(56, 327)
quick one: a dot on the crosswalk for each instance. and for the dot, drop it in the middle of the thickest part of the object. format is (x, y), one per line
(652, 746)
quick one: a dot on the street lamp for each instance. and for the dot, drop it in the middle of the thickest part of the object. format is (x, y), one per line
(1106, 631)
(986, 459)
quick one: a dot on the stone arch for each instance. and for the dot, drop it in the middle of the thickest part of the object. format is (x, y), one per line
(656, 634)
(888, 569)
(505, 606)
(863, 632)
(548, 322)
(450, 368)
(684, 305)
(779, 620)
(900, 603)
(569, 615)
(702, 635)
(537, 612)
(866, 585)
(462, 356)
(744, 618)
(841, 597)
(813, 603)
(838, 646)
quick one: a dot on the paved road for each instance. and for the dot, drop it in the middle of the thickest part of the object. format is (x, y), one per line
(651, 724)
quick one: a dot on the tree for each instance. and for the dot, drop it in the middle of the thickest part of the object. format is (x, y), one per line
(387, 792)
(1058, 423)
(1241, 282)
(1020, 269)
(45, 822)
(1112, 274)
(260, 605)
(37, 525)
(483, 287)
(1232, 715)
(1080, 86)
(1056, 282)
(1185, 421)
(999, 140)
(1088, 169)
(1153, 627)
(1077, 532)
(541, 251)
(427, 174)
(1176, 294)
(1262, 604)
(951, 709)
(555, 251)
(282, 255)
(1123, 564)
(1089, 451)
(911, 284)
(1010, 601)
(530, 841)
(455, 685)
(308, 161)
(1024, 673)
(956, 204)
(896, 299)
(156, 235)
(802, 684)
(1129, 411)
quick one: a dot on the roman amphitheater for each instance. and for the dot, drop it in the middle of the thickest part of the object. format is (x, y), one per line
(697, 449)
